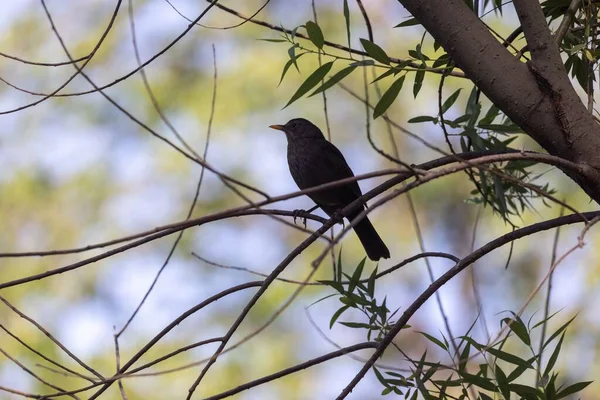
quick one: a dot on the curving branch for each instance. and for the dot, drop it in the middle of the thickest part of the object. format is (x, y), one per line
(451, 273)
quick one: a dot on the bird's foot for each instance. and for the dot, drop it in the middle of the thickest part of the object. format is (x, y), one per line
(300, 214)
(338, 217)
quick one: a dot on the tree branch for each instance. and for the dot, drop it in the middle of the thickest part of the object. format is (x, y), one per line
(512, 87)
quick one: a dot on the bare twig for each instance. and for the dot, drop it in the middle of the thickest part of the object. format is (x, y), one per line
(52, 338)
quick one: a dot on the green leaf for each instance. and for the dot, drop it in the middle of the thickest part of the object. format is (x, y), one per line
(380, 377)
(356, 275)
(484, 396)
(508, 357)
(450, 101)
(334, 284)
(311, 81)
(371, 283)
(464, 358)
(419, 76)
(273, 40)
(388, 97)
(441, 60)
(422, 118)
(499, 191)
(375, 52)
(293, 56)
(574, 388)
(336, 315)
(433, 340)
(291, 61)
(478, 381)
(359, 325)
(315, 34)
(489, 117)
(362, 63)
(501, 128)
(334, 79)
(394, 70)
(558, 332)
(523, 390)
(518, 327)
(408, 22)
(347, 18)
(502, 382)
(554, 356)
(517, 372)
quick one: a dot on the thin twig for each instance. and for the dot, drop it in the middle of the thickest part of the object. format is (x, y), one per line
(547, 302)
(52, 338)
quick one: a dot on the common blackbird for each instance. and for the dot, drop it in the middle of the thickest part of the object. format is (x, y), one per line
(314, 161)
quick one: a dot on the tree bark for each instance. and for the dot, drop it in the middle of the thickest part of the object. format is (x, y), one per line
(537, 96)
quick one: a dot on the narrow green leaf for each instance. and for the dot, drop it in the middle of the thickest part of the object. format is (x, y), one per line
(478, 381)
(510, 358)
(502, 382)
(441, 61)
(558, 332)
(347, 18)
(433, 340)
(339, 266)
(336, 315)
(517, 372)
(334, 79)
(408, 22)
(523, 390)
(519, 329)
(311, 81)
(387, 391)
(371, 283)
(387, 73)
(380, 377)
(315, 34)
(463, 358)
(422, 118)
(574, 388)
(490, 115)
(484, 396)
(273, 40)
(450, 101)
(375, 52)
(499, 191)
(554, 356)
(334, 284)
(362, 63)
(501, 128)
(293, 56)
(291, 61)
(419, 76)
(356, 275)
(388, 97)
(359, 325)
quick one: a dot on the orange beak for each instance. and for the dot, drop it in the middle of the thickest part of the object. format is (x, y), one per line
(277, 127)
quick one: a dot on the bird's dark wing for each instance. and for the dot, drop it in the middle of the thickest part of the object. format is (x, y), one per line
(323, 163)
(341, 167)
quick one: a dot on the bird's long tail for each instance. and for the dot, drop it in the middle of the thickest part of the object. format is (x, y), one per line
(370, 240)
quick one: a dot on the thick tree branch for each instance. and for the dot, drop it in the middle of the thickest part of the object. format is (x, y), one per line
(559, 123)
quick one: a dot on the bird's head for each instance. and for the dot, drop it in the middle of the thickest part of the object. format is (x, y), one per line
(299, 128)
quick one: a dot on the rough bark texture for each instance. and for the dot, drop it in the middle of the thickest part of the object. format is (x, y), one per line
(537, 96)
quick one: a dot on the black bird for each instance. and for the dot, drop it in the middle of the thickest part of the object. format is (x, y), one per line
(314, 161)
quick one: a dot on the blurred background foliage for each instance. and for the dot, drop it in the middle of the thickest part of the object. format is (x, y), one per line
(76, 171)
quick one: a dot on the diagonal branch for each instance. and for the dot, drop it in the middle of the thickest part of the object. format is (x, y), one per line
(451, 273)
